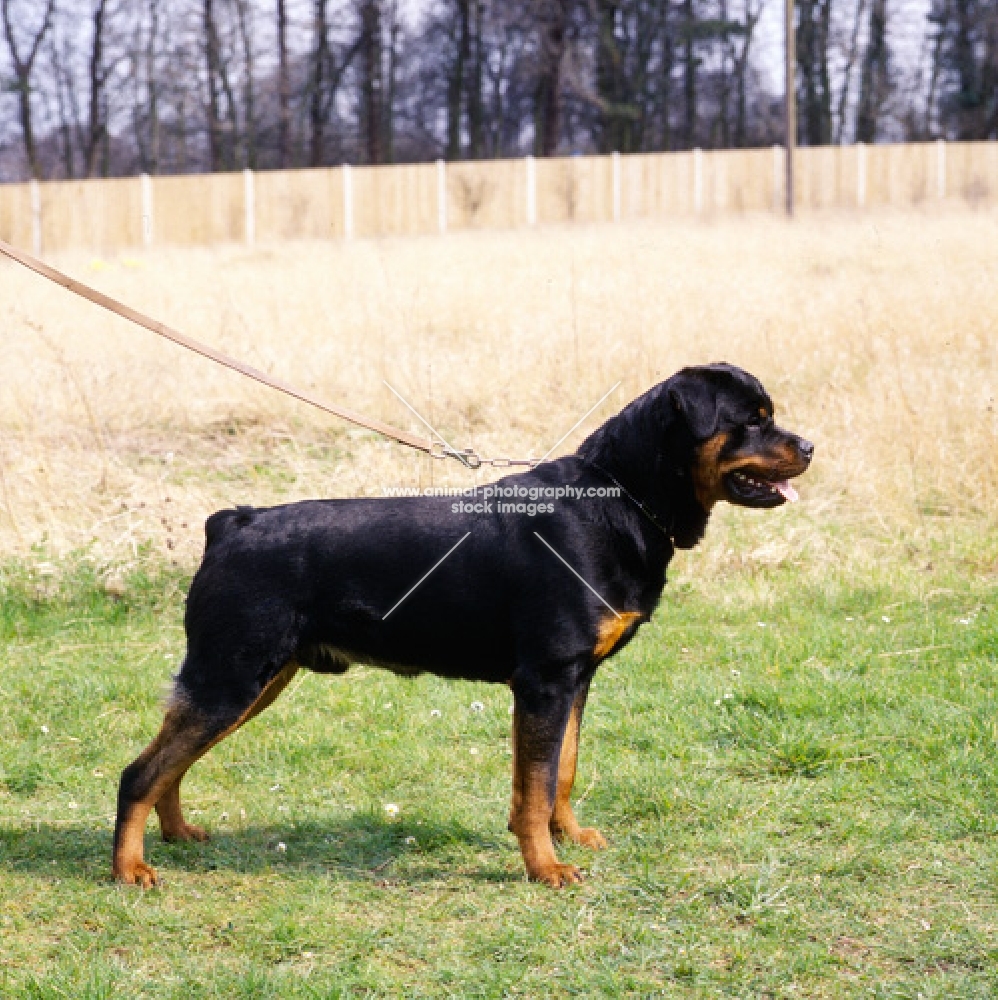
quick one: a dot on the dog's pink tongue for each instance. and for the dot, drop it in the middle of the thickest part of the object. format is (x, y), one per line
(786, 491)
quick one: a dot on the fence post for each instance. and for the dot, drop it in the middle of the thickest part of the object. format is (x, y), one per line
(347, 202)
(860, 174)
(697, 179)
(145, 182)
(35, 192)
(442, 196)
(941, 168)
(615, 182)
(249, 204)
(531, 191)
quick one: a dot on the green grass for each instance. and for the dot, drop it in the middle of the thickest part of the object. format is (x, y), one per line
(800, 792)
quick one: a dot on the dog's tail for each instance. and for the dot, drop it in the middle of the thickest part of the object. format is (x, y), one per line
(220, 523)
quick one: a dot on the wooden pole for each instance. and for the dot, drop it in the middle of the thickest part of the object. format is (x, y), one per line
(791, 104)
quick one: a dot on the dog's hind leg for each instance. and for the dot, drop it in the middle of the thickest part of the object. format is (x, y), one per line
(188, 732)
(172, 824)
(563, 821)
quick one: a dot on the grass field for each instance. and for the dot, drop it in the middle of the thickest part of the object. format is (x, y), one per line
(794, 763)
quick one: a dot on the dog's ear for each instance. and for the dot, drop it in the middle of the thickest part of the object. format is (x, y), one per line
(694, 399)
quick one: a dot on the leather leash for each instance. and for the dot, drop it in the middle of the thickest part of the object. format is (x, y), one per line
(435, 449)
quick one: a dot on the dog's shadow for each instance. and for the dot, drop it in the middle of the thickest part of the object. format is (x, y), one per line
(362, 848)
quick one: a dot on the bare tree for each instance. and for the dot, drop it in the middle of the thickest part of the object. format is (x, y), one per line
(243, 18)
(283, 85)
(552, 20)
(815, 88)
(97, 105)
(874, 80)
(371, 87)
(24, 63)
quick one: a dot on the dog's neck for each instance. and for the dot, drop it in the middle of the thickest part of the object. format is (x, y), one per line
(647, 447)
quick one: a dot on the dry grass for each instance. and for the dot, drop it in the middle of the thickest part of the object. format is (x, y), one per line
(874, 336)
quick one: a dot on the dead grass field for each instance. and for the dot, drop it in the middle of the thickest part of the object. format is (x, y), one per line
(875, 336)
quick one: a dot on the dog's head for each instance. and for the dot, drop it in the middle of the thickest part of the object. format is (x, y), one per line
(740, 454)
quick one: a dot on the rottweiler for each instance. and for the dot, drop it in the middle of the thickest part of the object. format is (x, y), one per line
(533, 597)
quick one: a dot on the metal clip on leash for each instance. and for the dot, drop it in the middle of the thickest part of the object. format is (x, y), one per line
(470, 458)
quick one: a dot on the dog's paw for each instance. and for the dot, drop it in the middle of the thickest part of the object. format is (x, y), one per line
(589, 836)
(185, 832)
(137, 873)
(557, 875)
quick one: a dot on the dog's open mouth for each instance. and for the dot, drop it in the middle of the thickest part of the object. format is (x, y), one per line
(757, 490)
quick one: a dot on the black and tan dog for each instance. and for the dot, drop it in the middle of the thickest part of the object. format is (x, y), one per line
(536, 602)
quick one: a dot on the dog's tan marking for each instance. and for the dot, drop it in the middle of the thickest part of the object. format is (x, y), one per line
(707, 471)
(180, 742)
(563, 821)
(611, 630)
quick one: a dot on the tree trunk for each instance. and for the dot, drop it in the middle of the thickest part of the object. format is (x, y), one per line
(211, 56)
(476, 108)
(455, 81)
(283, 86)
(320, 59)
(847, 72)
(370, 52)
(547, 101)
(63, 88)
(873, 84)
(608, 71)
(249, 88)
(741, 71)
(690, 77)
(96, 124)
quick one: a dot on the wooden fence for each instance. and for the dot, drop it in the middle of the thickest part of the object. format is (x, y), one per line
(415, 199)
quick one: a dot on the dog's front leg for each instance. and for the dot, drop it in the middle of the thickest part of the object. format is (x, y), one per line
(540, 714)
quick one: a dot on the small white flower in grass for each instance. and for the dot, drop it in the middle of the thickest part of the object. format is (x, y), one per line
(926, 926)
(761, 624)
(736, 673)
(388, 704)
(410, 841)
(728, 695)
(224, 817)
(391, 809)
(275, 788)
(97, 772)
(282, 847)
(73, 805)
(717, 701)
(242, 814)
(964, 621)
(477, 706)
(45, 729)
(473, 750)
(282, 809)
(435, 713)
(885, 619)
(849, 618)
(684, 650)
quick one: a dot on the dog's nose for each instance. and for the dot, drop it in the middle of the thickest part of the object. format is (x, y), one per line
(805, 448)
